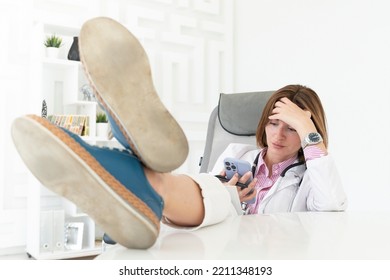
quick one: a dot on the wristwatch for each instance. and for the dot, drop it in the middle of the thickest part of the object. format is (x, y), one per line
(311, 139)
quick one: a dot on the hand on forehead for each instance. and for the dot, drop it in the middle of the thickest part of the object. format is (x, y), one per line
(286, 105)
(290, 113)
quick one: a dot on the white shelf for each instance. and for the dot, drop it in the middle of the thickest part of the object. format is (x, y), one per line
(83, 103)
(59, 83)
(70, 254)
(57, 62)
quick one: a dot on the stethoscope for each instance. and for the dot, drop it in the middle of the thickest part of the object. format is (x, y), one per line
(256, 161)
(244, 205)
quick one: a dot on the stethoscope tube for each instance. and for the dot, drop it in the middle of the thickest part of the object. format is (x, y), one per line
(256, 161)
(254, 165)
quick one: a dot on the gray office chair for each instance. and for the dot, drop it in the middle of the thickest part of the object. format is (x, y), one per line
(234, 120)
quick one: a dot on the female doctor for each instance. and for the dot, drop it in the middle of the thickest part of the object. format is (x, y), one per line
(292, 169)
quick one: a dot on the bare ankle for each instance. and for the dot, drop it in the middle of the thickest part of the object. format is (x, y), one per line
(156, 180)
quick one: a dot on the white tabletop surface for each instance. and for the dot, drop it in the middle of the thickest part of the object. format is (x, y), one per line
(302, 236)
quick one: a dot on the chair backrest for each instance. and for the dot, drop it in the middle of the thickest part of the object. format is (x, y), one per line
(234, 120)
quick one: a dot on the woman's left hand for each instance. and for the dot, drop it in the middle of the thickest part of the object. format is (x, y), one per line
(248, 193)
(245, 194)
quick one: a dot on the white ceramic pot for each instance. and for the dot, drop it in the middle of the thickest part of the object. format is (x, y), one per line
(52, 52)
(102, 130)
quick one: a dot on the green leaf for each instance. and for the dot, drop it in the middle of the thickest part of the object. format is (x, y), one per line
(101, 118)
(53, 41)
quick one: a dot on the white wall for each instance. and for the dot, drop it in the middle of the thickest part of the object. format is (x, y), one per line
(341, 49)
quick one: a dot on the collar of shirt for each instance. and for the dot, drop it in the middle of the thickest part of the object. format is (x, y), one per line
(264, 183)
(277, 168)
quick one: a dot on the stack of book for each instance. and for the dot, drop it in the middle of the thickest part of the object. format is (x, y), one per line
(78, 124)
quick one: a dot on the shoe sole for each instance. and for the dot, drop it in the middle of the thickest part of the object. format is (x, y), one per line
(66, 168)
(118, 70)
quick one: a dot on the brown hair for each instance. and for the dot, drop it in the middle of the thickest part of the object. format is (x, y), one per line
(303, 97)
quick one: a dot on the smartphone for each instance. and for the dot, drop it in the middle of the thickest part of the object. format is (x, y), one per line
(234, 165)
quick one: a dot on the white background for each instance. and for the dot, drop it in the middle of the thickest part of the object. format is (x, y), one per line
(342, 50)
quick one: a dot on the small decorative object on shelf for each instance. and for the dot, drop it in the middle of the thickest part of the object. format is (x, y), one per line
(44, 109)
(101, 125)
(52, 44)
(87, 93)
(73, 53)
(101, 117)
(77, 124)
(74, 236)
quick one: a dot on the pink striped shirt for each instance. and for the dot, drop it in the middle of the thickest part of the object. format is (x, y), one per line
(265, 180)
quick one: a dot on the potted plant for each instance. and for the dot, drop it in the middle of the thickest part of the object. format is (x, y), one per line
(101, 125)
(52, 44)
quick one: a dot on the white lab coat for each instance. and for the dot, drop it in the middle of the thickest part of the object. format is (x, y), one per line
(314, 187)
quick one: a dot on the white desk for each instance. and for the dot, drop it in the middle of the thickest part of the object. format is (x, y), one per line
(301, 236)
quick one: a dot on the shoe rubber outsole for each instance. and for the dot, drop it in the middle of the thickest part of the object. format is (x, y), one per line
(62, 165)
(118, 70)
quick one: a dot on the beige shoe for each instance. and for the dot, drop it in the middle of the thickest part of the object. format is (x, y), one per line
(108, 184)
(119, 72)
